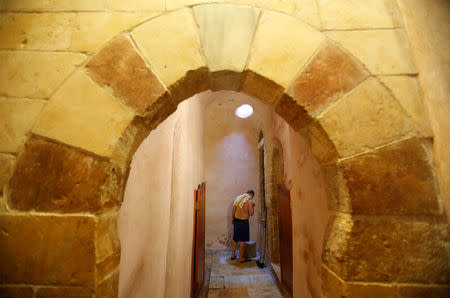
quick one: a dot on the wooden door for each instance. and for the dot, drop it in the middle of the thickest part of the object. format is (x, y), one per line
(198, 254)
(285, 229)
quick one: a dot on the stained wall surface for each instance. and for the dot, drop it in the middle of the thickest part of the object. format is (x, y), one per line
(156, 217)
(427, 26)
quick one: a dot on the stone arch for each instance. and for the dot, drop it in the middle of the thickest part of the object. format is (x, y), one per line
(343, 99)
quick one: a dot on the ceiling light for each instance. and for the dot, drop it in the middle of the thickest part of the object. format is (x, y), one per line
(244, 111)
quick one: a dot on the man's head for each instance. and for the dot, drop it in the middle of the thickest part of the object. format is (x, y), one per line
(251, 192)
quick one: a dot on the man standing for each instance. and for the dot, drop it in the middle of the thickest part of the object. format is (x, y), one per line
(243, 208)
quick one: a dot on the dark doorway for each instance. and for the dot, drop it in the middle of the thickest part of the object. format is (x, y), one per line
(285, 231)
(198, 255)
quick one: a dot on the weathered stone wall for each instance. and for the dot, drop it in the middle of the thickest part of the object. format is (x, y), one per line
(426, 24)
(365, 124)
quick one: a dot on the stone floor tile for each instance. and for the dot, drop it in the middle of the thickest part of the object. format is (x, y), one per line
(264, 292)
(217, 282)
(237, 281)
(261, 280)
(230, 293)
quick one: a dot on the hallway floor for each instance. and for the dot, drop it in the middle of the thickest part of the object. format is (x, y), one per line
(234, 279)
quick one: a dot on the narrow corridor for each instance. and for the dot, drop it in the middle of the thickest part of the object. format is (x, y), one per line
(230, 278)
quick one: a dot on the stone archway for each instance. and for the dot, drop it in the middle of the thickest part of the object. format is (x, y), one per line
(374, 152)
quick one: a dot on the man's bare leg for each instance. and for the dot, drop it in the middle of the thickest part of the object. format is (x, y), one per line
(233, 254)
(241, 251)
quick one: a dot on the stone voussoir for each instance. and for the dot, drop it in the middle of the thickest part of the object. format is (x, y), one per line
(261, 87)
(52, 177)
(74, 118)
(282, 46)
(226, 80)
(292, 112)
(194, 81)
(366, 118)
(328, 76)
(120, 67)
(226, 32)
(321, 145)
(395, 179)
(171, 57)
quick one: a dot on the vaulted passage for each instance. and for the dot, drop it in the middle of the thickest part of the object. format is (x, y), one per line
(370, 119)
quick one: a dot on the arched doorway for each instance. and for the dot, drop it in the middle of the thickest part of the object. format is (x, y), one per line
(357, 129)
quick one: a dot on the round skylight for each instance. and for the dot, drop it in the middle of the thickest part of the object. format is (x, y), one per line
(244, 111)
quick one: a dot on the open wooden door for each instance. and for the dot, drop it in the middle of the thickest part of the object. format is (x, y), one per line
(285, 228)
(198, 247)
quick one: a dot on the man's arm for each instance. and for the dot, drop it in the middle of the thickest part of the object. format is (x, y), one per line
(233, 213)
(251, 208)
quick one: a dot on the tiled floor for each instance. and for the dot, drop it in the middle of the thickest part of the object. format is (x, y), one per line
(234, 279)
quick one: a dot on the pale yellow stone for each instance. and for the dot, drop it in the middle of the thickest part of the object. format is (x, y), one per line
(282, 46)
(35, 74)
(367, 117)
(41, 31)
(156, 5)
(175, 4)
(17, 116)
(357, 14)
(94, 29)
(52, 5)
(171, 44)
(406, 90)
(226, 32)
(307, 11)
(382, 51)
(84, 115)
(286, 6)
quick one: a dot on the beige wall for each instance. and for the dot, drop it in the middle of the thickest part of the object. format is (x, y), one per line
(427, 26)
(310, 212)
(231, 166)
(156, 218)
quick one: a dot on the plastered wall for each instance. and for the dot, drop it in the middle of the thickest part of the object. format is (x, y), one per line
(309, 209)
(231, 166)
(156, 217)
